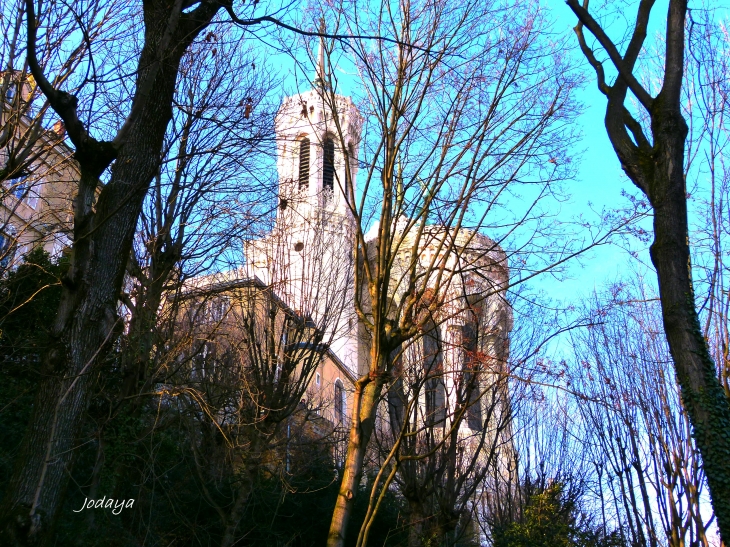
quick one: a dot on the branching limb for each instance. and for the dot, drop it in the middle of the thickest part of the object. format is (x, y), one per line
(146, 84)
(624, 68)
(279, 23)
(100, 154)
(636, 130)
(595, 63)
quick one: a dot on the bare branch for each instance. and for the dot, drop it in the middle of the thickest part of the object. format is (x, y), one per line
(96, 154)
(625, 72)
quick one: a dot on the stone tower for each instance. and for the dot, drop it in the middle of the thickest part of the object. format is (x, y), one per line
(308, 256)
(318, 137)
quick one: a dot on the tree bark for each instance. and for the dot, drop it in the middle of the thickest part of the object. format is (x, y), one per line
(242, 495)
(87, 318)
(416, 524)
(365, 406)
(702, 394)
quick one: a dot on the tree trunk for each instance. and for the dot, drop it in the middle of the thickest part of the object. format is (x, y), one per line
(46, 452)
(364, 410)
(702, 394)
(87, 317)
(416, 525)
(243, 493)
(657, 169)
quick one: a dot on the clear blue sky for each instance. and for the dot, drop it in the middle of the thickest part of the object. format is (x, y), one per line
(599, 182)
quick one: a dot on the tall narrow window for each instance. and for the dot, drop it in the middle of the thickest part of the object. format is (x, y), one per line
(328, 168)
(471, 375)
(433, 371)
(304, 163)
(7, 247)
(19, 186)
(340, 402)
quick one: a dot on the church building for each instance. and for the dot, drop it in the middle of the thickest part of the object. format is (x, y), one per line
(306, 262)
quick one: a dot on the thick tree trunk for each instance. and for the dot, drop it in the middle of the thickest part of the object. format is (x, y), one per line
(46, 453)
(365, 406)
(702, 394)
(416, 524)
(243, 493)
(87, 317)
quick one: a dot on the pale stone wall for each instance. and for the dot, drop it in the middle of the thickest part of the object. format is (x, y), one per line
(308, 256)
(474, 278)
(37, 209)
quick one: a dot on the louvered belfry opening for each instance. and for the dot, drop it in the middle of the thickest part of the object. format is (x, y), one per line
(304, 163)
(328, 170)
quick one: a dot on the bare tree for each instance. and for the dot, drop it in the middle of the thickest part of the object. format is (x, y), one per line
(208, 193)
(648, 471)
(36, 168)
(126, 154)
(255, 358)
(24, 112)
(200, 205)
(707, 105)
(447, 138)
(449, 412)
(540, 493)
(653, 157)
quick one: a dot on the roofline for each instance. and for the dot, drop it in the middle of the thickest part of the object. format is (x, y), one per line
(255, 282)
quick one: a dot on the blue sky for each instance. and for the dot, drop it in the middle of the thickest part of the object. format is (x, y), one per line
(599, 182)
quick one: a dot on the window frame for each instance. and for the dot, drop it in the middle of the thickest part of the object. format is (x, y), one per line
(328, 164)
(340, 400)
(305, 149)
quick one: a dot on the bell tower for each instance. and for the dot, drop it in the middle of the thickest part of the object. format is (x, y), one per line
(318, 139)
(307, 259)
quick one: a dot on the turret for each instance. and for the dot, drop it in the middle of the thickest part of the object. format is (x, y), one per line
(318, 136)
(308, 257)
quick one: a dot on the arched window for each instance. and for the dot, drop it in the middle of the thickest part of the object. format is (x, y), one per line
(433, 372)
(7, 246)
(470, 346)
(328, 169)
(304, 163)
(340, 402)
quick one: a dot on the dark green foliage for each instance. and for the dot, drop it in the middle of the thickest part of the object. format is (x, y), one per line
(29, 298)
(144, 452)
(149, 458)
(298, 514)
(550, 515)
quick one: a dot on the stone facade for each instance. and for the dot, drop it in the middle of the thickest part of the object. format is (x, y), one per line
(308, 256)
(36, 195)
(306, 264)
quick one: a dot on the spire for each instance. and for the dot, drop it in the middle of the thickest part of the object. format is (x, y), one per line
(320, 79)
